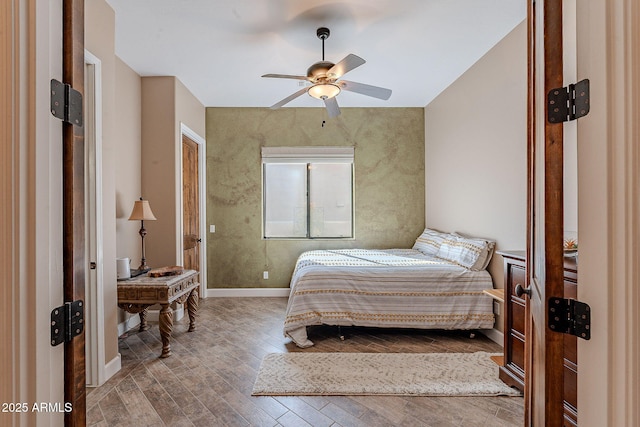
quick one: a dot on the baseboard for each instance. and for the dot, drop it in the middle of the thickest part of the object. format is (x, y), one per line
(246, 292)
(131, 321)
(494, 335)
(112, 367)
(154, 315)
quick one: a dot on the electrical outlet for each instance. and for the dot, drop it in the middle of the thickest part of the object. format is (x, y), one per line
(265, 275)
(212, 228)
(496, 308)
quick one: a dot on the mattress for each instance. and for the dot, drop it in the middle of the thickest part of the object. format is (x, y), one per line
(395, 288)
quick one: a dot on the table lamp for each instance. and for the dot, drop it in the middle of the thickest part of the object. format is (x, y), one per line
(142, 212)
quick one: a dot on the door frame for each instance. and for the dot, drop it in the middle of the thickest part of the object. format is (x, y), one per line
(202, 180)
(609, 212)
(74, 261)
(608, 54)
(32, 175)
(544, 352)
(94, 298)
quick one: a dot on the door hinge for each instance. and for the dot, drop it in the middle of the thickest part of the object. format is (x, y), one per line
(569, 316)
(568, 103)
(66, 103)
(67, 322)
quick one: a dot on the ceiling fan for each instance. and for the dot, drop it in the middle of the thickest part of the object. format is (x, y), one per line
(324, 77)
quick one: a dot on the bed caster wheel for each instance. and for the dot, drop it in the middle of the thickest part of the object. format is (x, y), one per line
(341, 337)
(472, 335)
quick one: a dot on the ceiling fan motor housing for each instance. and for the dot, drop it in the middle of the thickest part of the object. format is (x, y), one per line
(324, 76)
(318, 71)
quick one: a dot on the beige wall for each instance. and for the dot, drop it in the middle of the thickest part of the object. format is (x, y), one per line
(128, 134)
(389, 184)
(189, 110)
(476, 161)
(158, 168)
(100, 41)
(128, 177)
(166, 103)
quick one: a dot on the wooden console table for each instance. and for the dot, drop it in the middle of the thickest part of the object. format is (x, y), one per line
(136, 295)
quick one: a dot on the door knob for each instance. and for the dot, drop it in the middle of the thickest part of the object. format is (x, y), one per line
(522, 291)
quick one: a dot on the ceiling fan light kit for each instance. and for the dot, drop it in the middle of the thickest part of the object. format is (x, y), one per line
(323, 76)
(323, 91)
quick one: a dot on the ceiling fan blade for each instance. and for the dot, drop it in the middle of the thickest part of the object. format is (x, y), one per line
(332, 107)
(288, 99)
(349, 62)
(285, 76)
(361, 88)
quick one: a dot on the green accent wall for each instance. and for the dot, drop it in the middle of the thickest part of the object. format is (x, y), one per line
(389, 185)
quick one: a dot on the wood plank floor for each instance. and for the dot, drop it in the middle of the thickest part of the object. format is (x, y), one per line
(208, 379)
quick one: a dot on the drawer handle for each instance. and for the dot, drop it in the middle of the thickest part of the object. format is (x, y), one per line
(522, 291)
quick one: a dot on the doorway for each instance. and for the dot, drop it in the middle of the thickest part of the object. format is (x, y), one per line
(190, 205)
(193, 206)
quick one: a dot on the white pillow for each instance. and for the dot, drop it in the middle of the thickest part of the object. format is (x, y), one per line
(471, 253)
(491, 246)
(429, 241)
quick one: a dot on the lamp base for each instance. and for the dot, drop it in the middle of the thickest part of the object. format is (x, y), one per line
(143, 261)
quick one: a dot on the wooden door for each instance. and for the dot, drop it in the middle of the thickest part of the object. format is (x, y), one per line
(74, 266)
(190, 204)
(544, 350)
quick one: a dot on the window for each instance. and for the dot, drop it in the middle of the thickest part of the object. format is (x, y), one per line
(307, 192)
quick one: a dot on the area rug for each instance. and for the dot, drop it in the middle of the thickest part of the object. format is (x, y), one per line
(406, 374)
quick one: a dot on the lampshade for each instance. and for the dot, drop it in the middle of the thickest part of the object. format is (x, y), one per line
(141, 211)
(323, 90)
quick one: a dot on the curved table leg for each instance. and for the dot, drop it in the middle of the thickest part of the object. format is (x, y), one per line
(166, 326)
(143, 320)
(192, 308)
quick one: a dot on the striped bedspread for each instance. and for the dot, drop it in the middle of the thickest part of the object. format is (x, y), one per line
(398, 288)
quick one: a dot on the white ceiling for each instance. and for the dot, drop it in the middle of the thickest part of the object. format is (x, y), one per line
(220, 48)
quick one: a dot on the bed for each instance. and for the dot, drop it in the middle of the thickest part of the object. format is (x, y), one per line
(437, 284)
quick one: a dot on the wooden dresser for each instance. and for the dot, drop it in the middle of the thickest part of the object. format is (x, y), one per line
(512, 372)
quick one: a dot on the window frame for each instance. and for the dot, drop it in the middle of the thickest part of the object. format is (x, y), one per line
(308, 156)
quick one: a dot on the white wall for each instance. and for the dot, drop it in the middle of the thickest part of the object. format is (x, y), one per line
(475, 149)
